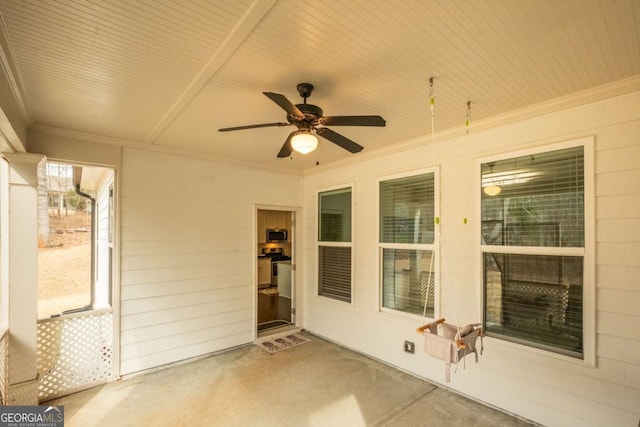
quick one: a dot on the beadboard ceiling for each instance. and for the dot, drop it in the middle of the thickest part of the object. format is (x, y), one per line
(168, 74)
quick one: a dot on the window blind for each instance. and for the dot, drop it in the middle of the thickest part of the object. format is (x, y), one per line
(407, 209)
(541, 202)
(334, 279)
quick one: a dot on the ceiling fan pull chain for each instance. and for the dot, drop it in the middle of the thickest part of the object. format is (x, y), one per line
(432, 99)
(467, 122)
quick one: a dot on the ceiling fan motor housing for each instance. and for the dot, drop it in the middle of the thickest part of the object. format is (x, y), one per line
(311, 113)
(304, 126)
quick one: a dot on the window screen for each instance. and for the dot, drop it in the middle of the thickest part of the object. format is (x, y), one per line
(334, 211)
(408, 281)
(532, 222)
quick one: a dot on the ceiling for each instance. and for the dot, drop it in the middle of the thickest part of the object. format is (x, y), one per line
(168, 74)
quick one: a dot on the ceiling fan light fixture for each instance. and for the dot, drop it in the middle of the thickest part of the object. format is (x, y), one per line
(492, 190)
(304, 142)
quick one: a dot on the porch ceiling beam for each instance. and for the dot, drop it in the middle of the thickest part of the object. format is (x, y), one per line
(243, 28)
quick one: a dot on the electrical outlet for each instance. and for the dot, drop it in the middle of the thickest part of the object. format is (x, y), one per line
(409, 347)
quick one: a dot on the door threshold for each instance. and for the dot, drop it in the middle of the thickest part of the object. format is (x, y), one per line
(273, 324)
(283, 330)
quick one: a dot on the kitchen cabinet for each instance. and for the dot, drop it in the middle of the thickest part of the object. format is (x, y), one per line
(278, 219)
(272, 219)
(264, 272)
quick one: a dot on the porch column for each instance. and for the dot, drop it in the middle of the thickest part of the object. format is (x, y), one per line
(23, 277)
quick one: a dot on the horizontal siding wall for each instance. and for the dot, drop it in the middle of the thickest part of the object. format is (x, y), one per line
(534, 384)
(188, 255)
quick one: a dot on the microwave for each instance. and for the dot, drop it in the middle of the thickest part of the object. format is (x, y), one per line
(277, 235)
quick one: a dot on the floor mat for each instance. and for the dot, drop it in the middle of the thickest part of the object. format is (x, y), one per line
(282, 343)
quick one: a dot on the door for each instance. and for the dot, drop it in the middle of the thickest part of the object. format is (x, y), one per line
(275, 307)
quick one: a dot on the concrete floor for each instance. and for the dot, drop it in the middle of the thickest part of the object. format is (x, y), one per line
(314, 384)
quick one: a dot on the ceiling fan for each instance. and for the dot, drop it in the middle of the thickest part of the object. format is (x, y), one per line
(309, 118)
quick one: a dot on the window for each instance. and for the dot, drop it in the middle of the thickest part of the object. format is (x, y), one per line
(533, 249)
(74, 262)
(334, 244)
(407, 211)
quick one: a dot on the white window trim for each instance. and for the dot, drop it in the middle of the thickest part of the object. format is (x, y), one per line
(319, 243)
(588, 252)
(418, 246)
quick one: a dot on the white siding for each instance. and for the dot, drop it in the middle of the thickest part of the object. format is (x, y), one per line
(546, 388)
(188, 254)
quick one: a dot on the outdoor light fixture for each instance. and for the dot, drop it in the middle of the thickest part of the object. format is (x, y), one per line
(304, 142)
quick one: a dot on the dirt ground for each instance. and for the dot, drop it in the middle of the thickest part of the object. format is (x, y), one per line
(64, 267)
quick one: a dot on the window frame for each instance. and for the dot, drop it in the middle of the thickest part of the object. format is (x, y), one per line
(107, 187)
(410, 246)
(319, 243)
(587, 252)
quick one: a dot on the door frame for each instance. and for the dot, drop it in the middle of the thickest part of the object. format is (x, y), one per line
(294, 213)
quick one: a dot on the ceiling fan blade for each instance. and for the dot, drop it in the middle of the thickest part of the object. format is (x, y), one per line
(353, 121)
(286, 149)
(339, 140)
(285, 104)
(264, 125)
